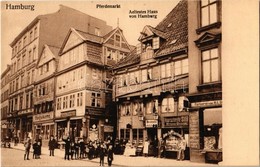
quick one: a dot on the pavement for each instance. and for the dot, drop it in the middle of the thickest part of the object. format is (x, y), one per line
(121, 160)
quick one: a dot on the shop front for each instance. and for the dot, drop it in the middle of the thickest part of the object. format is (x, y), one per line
(206, 131)
(174, 128)
(43, 127)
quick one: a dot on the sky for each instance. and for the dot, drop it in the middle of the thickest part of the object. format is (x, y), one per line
(14, 21)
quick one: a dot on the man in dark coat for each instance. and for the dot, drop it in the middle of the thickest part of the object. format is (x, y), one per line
(110, 156)
(52, 145)
(67, 148)
(101, 154)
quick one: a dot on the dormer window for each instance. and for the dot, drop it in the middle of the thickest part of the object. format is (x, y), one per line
(97, 31)
(156, 43)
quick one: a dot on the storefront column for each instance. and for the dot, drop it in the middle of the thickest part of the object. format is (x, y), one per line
(68, 127)
(159, 133)
(131, 135)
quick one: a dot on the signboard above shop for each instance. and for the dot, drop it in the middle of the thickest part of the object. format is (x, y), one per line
(212, 103)
(68, 114)
(151, 123)
(43, 117)
(176, 121)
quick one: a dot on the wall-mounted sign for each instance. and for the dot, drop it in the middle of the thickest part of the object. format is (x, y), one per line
(194, 130)
(68, 114)
(43, 117)
(176, 121)
(108, 128)
(212, 103)
(151, 123)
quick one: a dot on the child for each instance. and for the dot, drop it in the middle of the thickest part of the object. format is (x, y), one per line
(35, 150)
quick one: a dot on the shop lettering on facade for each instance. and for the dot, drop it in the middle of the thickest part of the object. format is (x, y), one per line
(150, 123)
(212, 103)
(176, 121)
(43, 117)
(68, 114)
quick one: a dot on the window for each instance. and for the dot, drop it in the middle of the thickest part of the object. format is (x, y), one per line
(208, 12)
(32, 76)
(28, 78)
(59, 104)
(156, 42)
(21, 102)
(181, 67)
(19, 45)
(210, 65)
(34, 53)
(23, 60)
(31, 36)
(35, 32)
(24, 41)
(117, 40)
(165, 70)
(17, 83)
(168, 104)
(72, 99)
(137, 108)
(149, 106)
(95, 99)
(30, 56)
(18, 64)
(79, 99)
(97, 31)
(146, 75)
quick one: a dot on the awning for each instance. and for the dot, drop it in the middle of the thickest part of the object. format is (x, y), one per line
(212, 116)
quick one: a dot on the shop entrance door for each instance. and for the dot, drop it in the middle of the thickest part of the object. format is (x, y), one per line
(152, 137)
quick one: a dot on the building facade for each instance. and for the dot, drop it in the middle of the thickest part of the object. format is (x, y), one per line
(5, 78)
(44, 97)
(205, 83)
(26, 48)
(152, 84)
(83, 93)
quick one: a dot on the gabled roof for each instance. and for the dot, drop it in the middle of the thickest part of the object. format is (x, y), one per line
(173, 28)
(53, 49)
(153, 31)
(175, 25)
(111, 33)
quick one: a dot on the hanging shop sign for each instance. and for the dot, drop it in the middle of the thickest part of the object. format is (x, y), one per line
(68, 114)
(43, 117)
(176, 121)
(212, 103)
(151, 123)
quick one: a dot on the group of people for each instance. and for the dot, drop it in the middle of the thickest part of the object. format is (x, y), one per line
(159, 148)
(37, 144)
(74, 149)
(79, 149)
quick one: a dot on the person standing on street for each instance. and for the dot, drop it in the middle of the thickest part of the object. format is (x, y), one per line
(110, 155)
(101, 155)
(146, 147)
(27, 146)
(67, 148)
(52, 145)
(181, 155)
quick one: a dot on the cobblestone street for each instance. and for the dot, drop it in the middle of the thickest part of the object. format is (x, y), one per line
(14, 157)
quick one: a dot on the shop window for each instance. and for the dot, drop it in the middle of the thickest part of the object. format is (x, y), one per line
(127, 134)
(168, 104)
(122, 133)
(208, 12)
(210, 65)
(212, 128)
(96, 99)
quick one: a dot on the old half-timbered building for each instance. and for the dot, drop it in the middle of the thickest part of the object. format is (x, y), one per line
(151, 84)
(84, 84)
(44, 86)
